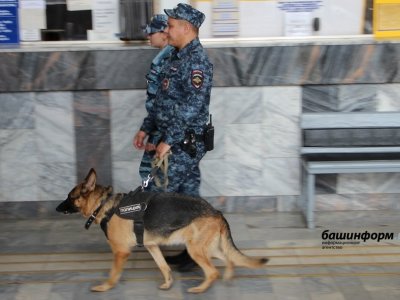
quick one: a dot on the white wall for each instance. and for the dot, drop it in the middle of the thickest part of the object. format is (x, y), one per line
(160, 5)
(342, 17)
(265, 19)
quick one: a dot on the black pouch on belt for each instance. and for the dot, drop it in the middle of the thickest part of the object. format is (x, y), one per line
(189, 143)
(209, 136)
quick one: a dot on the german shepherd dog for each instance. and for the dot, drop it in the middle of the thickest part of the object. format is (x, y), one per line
(169, 219)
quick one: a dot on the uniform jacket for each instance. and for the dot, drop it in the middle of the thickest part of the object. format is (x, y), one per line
(153, 80)
(182, 101)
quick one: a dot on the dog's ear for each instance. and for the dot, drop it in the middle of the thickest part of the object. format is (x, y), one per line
(90, 180)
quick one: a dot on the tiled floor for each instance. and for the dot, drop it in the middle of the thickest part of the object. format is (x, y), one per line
(59, 259)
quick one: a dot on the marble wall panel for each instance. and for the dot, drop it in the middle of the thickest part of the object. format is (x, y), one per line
(388, 97)
(346, 64)
(347, 98)
(276, 176)
(127, 114)
(54, 135)
(58, 70)
(256, 66)
(55, 180)
(306, 64)
(126, 69)
(357, 98)
(339, 98)
(214, 174)
(92, 134)
(17, 144)
(229, 178)
(326, 64)
(237, 105)
(126, 175)
(9, 71)
(31, 158)
(385, 63)
(17, 110)
(54, 127)
(281, 176)
(256, 124)
(244, 144)
(18, 165)
(277, 64)
(281, 113)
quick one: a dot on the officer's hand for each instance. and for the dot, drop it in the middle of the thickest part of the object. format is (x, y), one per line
(162, 149)
(138, 140)
(150, 147)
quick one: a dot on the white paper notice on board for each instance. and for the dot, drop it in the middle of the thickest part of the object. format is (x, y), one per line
(298, 24)
(32, 18)
(79, 5)
(105, 15)
(32, 4)
(30, 35)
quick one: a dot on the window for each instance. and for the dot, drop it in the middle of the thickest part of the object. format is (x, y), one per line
(115, 20)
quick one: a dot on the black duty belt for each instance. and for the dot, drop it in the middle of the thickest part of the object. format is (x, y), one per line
(199, 138)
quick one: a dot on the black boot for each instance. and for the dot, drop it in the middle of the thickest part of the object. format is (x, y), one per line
(178, 259)
(187, 265)
(183, 260)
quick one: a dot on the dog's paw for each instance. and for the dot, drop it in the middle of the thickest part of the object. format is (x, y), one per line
(168, 280)
(165, 286)
(196, 290)
(228, 276)
(101, 288)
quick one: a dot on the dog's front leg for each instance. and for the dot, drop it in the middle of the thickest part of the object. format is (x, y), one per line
(155, 252)
(119, 261)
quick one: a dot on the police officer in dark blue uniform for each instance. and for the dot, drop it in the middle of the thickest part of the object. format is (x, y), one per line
(181, 107)
(158, 39)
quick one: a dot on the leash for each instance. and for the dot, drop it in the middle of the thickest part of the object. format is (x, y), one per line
(158, 163)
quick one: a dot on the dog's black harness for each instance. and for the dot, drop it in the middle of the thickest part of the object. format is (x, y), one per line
(130, 207)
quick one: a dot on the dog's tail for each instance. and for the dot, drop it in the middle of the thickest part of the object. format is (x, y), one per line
(232, 253)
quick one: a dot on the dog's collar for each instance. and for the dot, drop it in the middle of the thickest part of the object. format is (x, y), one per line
(96, 212)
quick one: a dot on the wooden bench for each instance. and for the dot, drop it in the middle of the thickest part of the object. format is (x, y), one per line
(335, 143)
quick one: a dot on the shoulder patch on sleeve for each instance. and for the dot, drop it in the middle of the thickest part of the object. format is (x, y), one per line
(197, 78)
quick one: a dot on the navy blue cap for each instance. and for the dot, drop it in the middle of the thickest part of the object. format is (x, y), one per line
(157, 24)
(186, 12)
